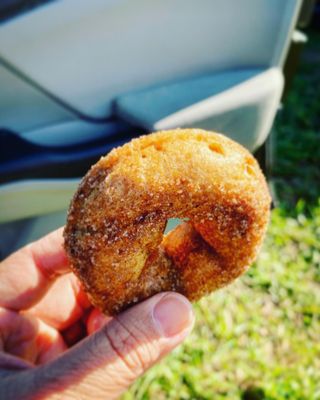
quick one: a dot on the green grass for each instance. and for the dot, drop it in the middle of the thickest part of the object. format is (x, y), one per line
(260, 337)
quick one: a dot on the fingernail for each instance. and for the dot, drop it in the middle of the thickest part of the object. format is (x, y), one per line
(173, 315)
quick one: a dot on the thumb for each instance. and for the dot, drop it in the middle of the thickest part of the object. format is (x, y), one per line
(106, 363)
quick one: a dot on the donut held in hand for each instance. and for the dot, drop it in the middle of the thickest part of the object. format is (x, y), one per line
(115, 229)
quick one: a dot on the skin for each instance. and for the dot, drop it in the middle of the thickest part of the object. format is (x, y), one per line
(55, 345)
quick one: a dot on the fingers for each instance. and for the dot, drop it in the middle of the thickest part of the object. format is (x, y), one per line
(26, 275)
(18, 335)
(63, 305)
(107, 362)
(96, 320)
(29, 339)
(74, 333)
(10, 363)
(50, 344)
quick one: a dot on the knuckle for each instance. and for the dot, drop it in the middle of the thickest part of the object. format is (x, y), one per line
(131, 347)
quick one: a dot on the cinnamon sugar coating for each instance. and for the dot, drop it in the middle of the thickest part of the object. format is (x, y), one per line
(114, 233)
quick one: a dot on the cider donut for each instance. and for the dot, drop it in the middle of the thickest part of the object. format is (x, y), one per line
(114, 234)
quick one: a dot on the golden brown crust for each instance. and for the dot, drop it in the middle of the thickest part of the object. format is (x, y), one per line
(114, 233)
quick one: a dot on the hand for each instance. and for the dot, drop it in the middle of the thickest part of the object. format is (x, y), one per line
(55, 345)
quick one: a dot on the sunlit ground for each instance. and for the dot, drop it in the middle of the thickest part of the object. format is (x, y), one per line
(260, 337)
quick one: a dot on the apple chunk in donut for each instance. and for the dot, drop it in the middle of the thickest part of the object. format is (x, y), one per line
(114, 234)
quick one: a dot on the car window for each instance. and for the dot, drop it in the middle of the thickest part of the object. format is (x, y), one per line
(12, 8)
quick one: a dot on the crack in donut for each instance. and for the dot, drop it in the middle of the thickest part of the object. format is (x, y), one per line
(114, 234)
